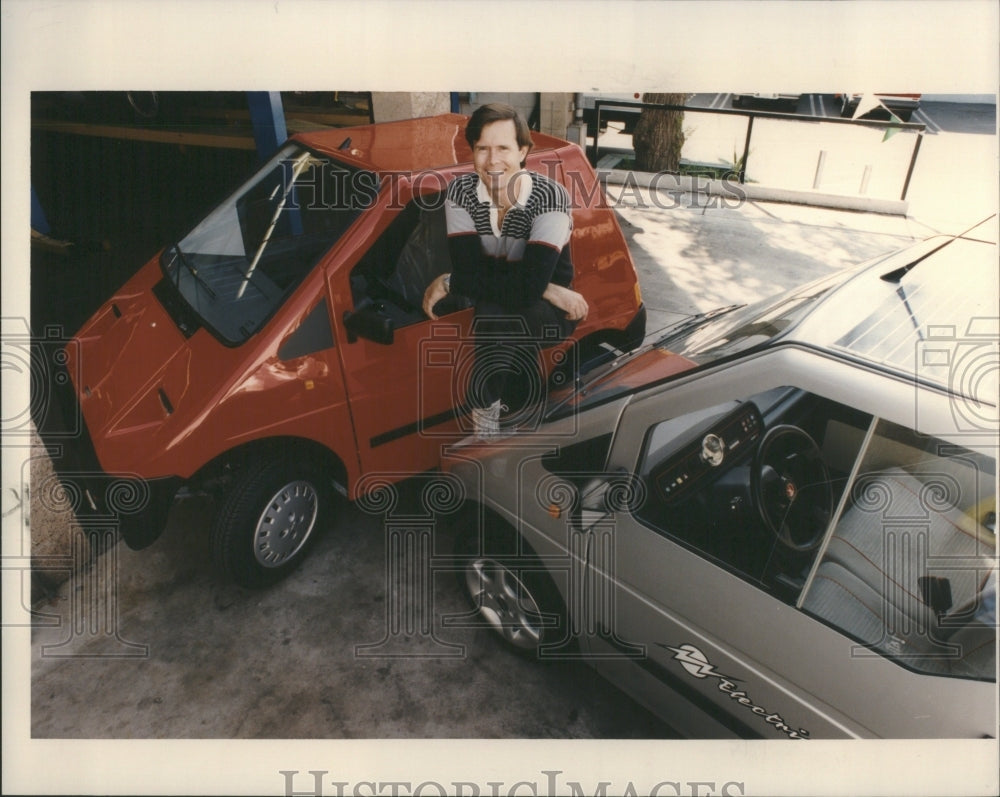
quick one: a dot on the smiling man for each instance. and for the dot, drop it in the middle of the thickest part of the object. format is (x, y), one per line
(508, 237)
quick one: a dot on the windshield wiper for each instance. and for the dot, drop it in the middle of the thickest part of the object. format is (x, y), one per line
(694, 320)
(614, 359)
(611, 360)
(303, 161)
(192, 271)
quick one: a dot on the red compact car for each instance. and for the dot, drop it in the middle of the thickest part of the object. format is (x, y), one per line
(278, 350)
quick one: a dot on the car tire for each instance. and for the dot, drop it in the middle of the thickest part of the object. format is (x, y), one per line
(270, 516)
(510, 592)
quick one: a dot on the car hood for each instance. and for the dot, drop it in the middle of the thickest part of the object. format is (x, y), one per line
(625, 374)
(130, 363)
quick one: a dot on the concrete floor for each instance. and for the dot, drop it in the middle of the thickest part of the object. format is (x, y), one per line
(182, 655)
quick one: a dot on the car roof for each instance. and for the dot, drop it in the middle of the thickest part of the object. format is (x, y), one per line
(920, 312)
(408, 145)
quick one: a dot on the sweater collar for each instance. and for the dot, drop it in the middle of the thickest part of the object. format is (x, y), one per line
(525, 185)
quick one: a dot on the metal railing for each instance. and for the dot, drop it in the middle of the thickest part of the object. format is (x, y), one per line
(740, 167)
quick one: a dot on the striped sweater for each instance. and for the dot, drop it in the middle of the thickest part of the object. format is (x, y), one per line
(510, 266)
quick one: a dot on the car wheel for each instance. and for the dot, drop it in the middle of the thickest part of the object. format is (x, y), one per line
(268, 519)
(511, 593)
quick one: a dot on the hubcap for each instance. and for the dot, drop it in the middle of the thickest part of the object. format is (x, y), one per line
(285, 524)
(505, 602)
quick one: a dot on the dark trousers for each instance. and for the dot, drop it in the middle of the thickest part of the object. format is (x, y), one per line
(507, 347)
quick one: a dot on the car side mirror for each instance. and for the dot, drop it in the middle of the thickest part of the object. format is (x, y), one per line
(601, 496)
(593, 495)
(368, 323)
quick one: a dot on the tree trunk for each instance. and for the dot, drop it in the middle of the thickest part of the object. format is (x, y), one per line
(659, 135)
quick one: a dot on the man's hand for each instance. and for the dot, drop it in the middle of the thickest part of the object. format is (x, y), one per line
(435, 293)
(567, 300)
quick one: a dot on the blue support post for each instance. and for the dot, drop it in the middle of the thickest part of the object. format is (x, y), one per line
(38, 221)
(456, 104)
(268, 118)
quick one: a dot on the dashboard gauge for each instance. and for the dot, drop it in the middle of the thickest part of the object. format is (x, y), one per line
(713, 450)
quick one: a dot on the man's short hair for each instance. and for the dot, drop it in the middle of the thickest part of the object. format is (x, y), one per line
(497, 112)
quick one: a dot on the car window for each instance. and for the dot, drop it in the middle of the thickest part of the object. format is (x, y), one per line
(396, 270)
(752, 483)
(909, 570)
(239, 264)
(887, 535)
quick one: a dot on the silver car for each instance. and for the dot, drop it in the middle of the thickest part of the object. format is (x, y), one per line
(779, 521)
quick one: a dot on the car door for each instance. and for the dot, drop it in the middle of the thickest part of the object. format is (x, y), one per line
(403, 381)
(727, 623)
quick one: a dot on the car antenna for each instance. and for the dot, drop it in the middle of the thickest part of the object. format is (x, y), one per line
(345, 144)
(899, 273)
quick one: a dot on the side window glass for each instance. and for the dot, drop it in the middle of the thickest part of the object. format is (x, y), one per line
(752, 483)
(910, 570)
(394, 273)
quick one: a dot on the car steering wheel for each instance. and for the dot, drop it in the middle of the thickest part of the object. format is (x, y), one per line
(790, 486)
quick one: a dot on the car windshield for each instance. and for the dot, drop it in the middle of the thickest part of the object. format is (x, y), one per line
(697, 340)
(893, 311)
(747, 326)
(237, 266)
